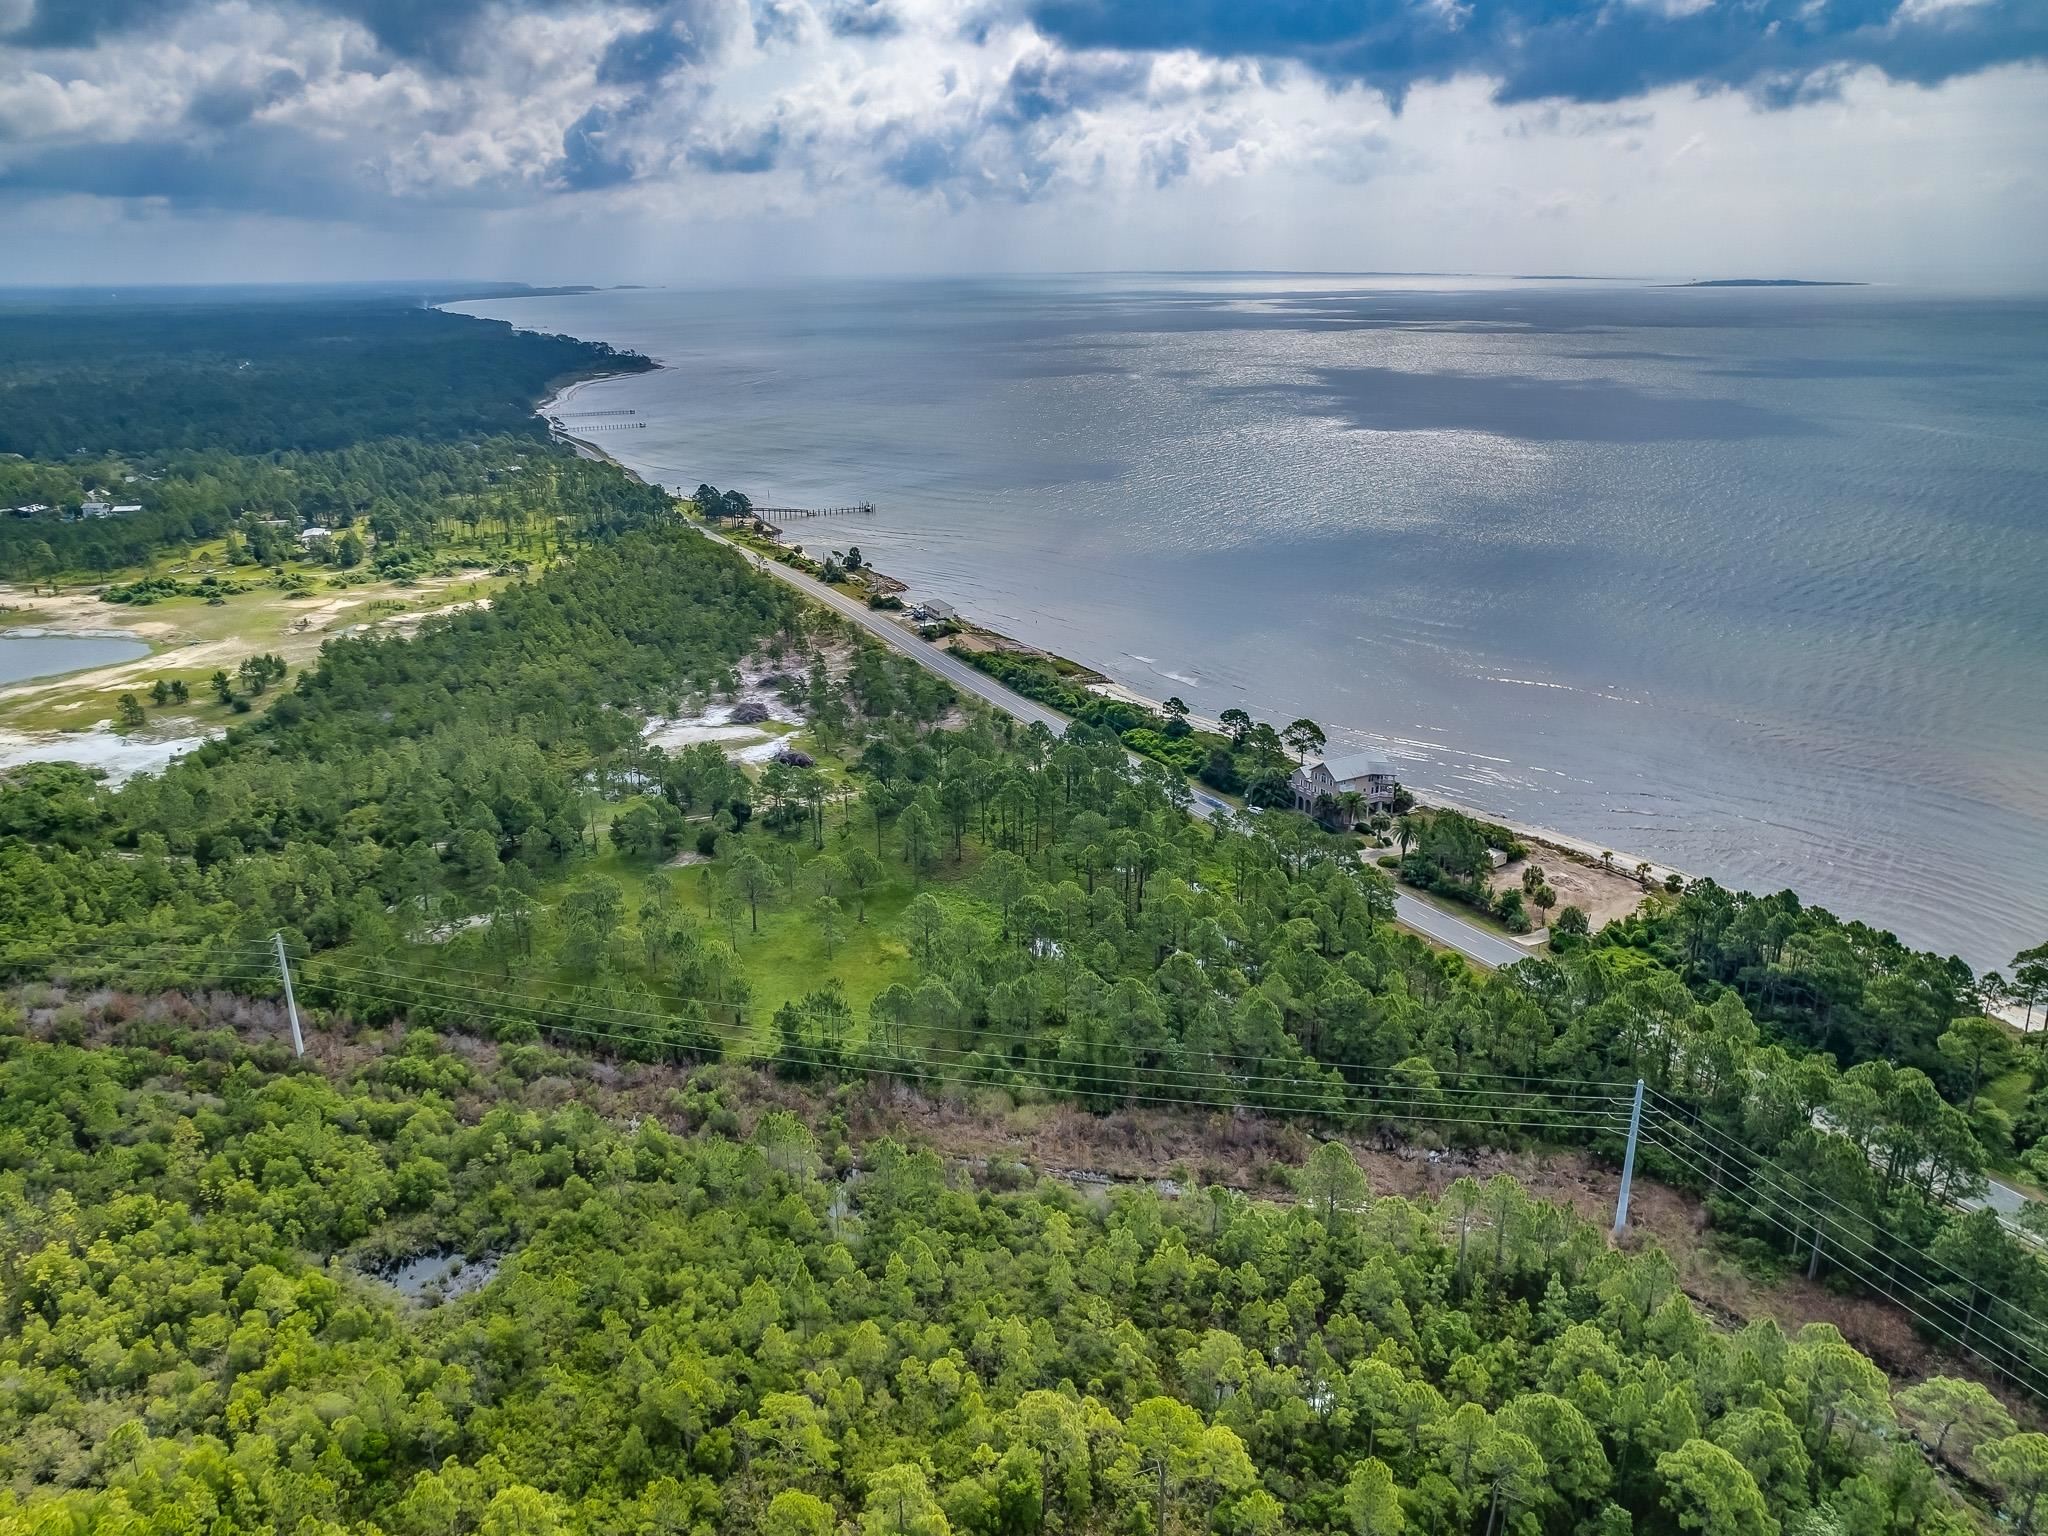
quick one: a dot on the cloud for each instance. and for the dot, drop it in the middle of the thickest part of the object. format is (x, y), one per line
(745, 153)
(265, 169)
(1572, 49)
(1372, 133)
(1051, 85)
(432, 32)
(862, 18)
(589, 159)
(642, 58)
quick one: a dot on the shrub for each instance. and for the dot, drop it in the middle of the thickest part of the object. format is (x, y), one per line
(1182, 754)
(1220, 772)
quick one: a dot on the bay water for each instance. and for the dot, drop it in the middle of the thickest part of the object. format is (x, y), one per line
(1746, 581)
(26, 656)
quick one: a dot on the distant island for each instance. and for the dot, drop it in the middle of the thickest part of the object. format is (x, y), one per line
(1766, 282)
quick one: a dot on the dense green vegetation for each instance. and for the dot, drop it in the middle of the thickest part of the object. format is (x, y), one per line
(1451, 855)
(424, 817)
(141, 382)
(465, 831)
(687, 1332)
(252, 422)
(391, 506)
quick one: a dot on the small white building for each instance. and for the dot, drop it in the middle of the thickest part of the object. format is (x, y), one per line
(1319, 787)
(932, 608)
(315, 535)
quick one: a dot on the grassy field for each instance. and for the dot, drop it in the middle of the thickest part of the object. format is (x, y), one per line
(782, 948)
(784, 955)
(190, 638)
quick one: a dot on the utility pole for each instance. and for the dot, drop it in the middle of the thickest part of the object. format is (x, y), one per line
(291, 1008)
(1628, 1161)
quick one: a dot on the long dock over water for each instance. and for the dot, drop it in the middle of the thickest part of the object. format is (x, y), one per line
(859, 509)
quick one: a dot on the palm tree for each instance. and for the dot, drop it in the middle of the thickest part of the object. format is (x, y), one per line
(1406, 830)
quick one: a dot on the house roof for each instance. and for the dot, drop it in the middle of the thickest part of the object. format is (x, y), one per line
(1357, 765)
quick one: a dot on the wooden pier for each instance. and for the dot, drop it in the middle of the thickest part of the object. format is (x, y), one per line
(861, 509)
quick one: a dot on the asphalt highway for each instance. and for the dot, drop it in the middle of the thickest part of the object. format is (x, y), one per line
(1433, 923)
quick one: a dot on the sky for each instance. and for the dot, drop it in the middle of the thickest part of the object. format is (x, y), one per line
(677, 141)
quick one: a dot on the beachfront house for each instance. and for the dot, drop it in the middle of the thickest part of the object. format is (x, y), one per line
(1324, 789)
(932, 608)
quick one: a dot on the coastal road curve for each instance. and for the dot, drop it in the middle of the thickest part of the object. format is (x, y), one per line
(955, 671)
(1439, 927)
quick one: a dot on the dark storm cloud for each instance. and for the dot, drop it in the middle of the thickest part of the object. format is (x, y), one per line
(644, 58)
(924, 162)
(431, 32)
(589, 163)
(79, 23)
(228, 107)
(1783, 50)
(1046, 86)
(261, 168)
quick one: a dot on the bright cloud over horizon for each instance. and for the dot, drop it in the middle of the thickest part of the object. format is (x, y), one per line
(229, 140)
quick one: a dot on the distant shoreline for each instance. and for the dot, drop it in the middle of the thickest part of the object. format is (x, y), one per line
(546, 409)
(1769, 282)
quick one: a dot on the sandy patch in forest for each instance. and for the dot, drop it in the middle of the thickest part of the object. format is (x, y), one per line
(742, 741)
(77, 612)
(292, 628)
(405, 621)
(119, 757)
(1602, 894)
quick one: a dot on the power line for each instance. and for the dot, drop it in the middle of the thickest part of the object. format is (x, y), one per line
(448, 994)
(1926, 1297)
(1918, 1307)
(81, 953)
(1757, 1160)
(1821, 1224)
(1731, 1147)
(1054, 1072)
(1609, 1089)
(1143, 1084)
(1475, 1099)
(1055, 1076)
(1366, 1075)
(398, 988)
